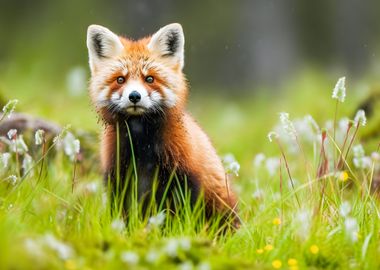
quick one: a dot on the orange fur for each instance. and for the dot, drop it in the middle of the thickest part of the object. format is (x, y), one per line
(186, 146)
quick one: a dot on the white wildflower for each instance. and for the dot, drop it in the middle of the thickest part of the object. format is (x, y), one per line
(187, 265)
(19, 146)
(185, 244)
(234, 168)
(228, 158)
(258, 194)
(152, 256)
(272, 164)
(71, 145)
(360, 118)
(272, 135)
(39, 136)
(157, 221)
(130, 257)
(27, 163)
(287, 125)
(375, 156)
(12, 179)
(63, 250)
(352, 228)
(12, 134)
(204, 266)
(33, 247)
(171, 248)
(4, 160)
(91, 187)
(339, 91)
(303, 222)
(9, 108)
(230, 164)
(360, 160)
(259, 160)
(118, 225)
(345, 209)
(309, 119)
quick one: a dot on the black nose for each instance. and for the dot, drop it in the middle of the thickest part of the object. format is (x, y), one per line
(134, 97)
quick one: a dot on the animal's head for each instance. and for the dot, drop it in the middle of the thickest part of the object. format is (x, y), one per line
(136, 77)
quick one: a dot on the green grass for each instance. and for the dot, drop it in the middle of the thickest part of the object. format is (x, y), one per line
(46, 224)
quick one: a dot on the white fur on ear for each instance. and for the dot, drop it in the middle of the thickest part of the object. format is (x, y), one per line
(169, 41)
(102, 44)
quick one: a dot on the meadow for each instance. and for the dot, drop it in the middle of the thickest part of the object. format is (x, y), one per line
(301, 162)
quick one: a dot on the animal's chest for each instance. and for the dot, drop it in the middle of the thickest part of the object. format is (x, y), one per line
(145, 148)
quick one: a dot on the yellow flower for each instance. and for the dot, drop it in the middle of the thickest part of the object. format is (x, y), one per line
(268, 247)
(314, 249)
(277, 221)
(277, 264)
(292, 262)
(70, 265)
(343, 176)
(293, 267)
(259, 251)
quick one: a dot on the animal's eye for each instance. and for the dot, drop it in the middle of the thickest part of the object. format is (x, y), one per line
(120, 80)
(149, 79)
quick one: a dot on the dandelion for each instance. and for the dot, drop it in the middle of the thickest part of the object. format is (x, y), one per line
(360, 118)
(12, 134)
(345, 209)
(272, 135)
(71, 145)
(4, 160)
(12, 179)
(268, 247)
(39, 136)
(118, 225)
(9, 108)
(157, 221)
(339, 92)
(130, 257)
(287, 125)
(292, 262)
(277, 264)
(276, 221)
(314, 249)
(234, 168)
(343, 176)
(260, 251)
(230, 164)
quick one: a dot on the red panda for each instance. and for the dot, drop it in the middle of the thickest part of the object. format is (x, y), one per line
(141, 83)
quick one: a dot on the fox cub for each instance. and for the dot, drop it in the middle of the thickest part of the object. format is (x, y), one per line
(139, 90)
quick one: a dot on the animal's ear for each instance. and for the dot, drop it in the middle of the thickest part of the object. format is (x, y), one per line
(102, 44)
(169, 41)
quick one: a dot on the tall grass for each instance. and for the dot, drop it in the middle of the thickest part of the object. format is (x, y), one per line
(310, 206)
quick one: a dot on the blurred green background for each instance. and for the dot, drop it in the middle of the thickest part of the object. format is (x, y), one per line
(246, 60)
